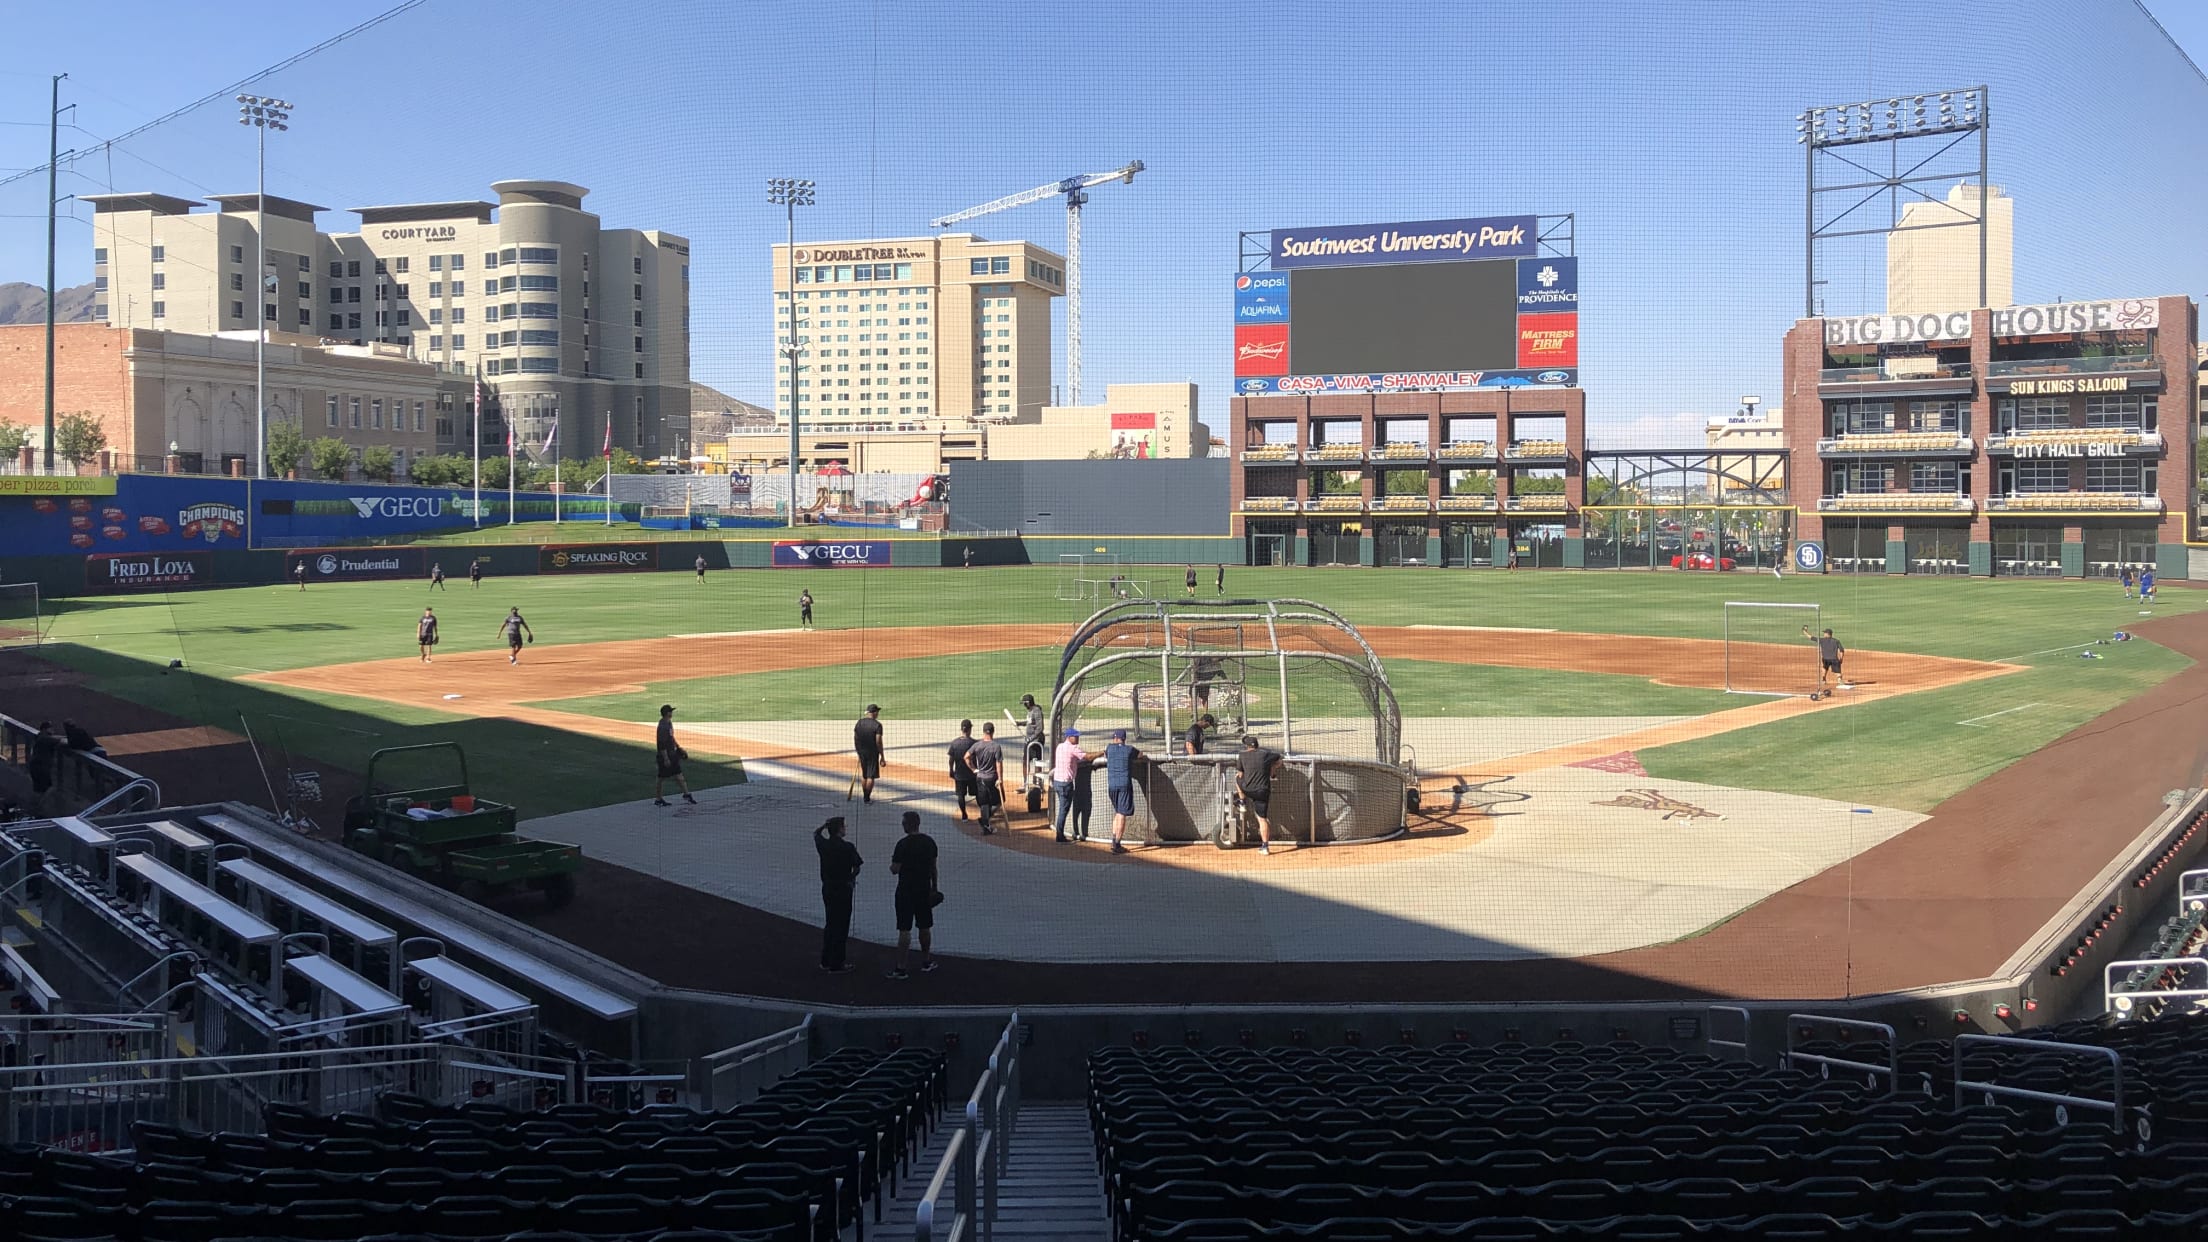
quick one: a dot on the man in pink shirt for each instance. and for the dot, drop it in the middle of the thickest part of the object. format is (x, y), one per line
(1065, 763)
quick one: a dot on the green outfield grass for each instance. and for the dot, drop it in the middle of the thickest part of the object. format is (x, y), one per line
(936, 687)
(1909, 752)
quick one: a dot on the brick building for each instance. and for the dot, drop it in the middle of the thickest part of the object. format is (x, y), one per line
(2053, 440)
(152, 389)
(1443, 478)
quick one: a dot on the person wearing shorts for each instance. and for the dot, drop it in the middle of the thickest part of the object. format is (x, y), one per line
(475, 575)
(866, 743)
(513, 627)
(1829, 654)
(805, 609)
(2146, 585)
(962, 777)
(1119, 784)
(986, 761)
(701, 570)
(669, 758)
(1255, 769)
(425, 633)
(1190, 579)
(913, 863)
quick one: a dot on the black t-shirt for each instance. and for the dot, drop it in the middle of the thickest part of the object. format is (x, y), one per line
(1257, 771)
(914, 859)
(1829, 649)
(666, 736)
(839, 860)
(866, 736)
(1194, 739)
(958, 755)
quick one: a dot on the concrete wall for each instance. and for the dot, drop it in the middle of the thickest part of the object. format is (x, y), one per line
(1091, 497)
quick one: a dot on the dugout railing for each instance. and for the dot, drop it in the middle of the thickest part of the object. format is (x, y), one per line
(80, 778)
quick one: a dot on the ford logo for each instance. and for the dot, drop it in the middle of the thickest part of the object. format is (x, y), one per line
(1254, 385)
(1552, 377)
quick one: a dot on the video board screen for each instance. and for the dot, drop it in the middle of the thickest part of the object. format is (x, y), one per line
(1404, 317)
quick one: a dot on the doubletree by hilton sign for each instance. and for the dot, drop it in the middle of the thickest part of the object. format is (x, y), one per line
(857, 254)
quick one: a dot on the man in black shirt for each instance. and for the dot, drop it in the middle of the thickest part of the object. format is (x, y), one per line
(669, 757)
(1255, 769)
(913, 863)
(45, 753)
(866, 742)
(1193, 740)
(1829, 655)
(839, 872)
(962, 777)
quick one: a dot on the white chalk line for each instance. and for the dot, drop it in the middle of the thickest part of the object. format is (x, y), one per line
(2050, 651)
(1973, 722)
(1486, 629)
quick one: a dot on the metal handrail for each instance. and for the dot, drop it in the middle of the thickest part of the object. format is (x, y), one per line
(737, 1059)
(143, 783)
(2121, 1003)
(979, 1155)
(2061, 1101)
(1892, 1068)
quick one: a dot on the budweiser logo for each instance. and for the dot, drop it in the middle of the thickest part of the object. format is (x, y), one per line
(1261, 349)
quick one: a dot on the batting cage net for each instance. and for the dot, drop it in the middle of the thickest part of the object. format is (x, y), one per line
(21, 624)
(1771, 648)
(1294, 674)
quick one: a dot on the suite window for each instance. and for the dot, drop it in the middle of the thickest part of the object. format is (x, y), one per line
(1935, 476)
(2042, 476)
(2126, 410)
(2124, 477)
(2035, 413)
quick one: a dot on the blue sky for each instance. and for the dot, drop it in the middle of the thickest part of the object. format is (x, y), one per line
(1666, 126)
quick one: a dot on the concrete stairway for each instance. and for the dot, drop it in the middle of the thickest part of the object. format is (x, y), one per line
(1051, 1193)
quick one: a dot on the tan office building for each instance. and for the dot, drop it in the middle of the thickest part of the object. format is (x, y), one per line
(914, 333)
(572, 324)
(1931, 270)
(1135, 422)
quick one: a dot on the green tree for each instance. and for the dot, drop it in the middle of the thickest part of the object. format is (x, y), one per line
(1334, 482)
(78, 438)
(13, 438)
(626, 462)
(1537, 485)
(1403, 482)
(494, 473)
(287, 446)
(378, 462)
(330, 458)
(1473, 483)
(443, 470)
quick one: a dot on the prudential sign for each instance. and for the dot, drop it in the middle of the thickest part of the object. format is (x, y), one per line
(1421, 241)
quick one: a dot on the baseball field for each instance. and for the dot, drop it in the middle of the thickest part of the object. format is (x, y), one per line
(333, 671)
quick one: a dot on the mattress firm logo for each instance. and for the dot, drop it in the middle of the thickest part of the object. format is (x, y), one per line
(430, 233)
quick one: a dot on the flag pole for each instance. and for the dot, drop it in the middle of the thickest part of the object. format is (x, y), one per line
(552, 448)
(606, 480)
(509, 462)
(477, 436)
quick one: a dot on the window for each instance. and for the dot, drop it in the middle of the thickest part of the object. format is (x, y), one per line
(306, 290)
(2042, 476)
(506, 255)
(306, 318)
(640, 370)
(160, 281)
(2035, 413)
(375, 414)
(333, 411)
(352, 405)
(640, 344)
(458, 289)
(540, 336)
(421, 416)
(490, 288)
(541, 366)
(459, 341)
(2130, 411)
(383, 268)
(637, 266)
(402, 291)
(352, 293)
(399, 265)
(490, 314)
(436, 315)
(305, 265)
(237, 254)
(539, 254)
(436, 344)
(904, 272)
(352, 269)
(352, 321)
(99, 253)
(459, 314)
(383, 292)
(1861, 417)
(436, 264)
(639, 423)
(490, 258)
(639, 317)
(1000, 266)
(1935, 476)
(507, 338)
(237, 282)
(337, 323)
(2127, 477)
(383, 319)
(639, 295)
(459, 263)
(237, 310)
(160, 310)
(337, 270)
(436, 289)
(538, 310)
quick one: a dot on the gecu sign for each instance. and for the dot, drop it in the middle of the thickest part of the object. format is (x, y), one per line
(398, 506)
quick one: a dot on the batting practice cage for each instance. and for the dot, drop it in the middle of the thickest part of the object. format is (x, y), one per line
(1295, 674)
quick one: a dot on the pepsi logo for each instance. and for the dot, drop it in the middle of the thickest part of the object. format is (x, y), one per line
(1241, 282)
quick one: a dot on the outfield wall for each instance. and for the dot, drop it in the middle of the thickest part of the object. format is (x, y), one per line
(1071, 498)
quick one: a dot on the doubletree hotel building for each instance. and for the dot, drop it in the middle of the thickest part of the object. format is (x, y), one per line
(2050, 440)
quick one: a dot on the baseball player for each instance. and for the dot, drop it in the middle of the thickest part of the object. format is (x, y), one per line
(805, 609)
(475, 574)
(1830, 652)
(300, 572)
(701, 571)
(437, 576)
(425, 633)
(513, 628)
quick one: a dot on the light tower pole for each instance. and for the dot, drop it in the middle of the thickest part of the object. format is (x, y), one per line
(263, 114)
(791, 193)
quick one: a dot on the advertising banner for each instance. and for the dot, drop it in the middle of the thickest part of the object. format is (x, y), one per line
(1261, 349)
(1408, 381)
(147, 571)
(1422, 241)
(149, 513)
(354, 564)
(55, 485)
(598, 558)
(818, 554)
(1547, 285)
(2040, 320)
(1261, 297)
(1133, 436)
(1548, 340)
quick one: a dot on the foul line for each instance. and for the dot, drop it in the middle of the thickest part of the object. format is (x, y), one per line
(1484, 629)
(2050, 651)
(1973, 721)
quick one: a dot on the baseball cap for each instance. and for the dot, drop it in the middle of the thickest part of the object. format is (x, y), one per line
(1073, 733)
(873, 707)
(1249, 739)
(665, 708)
(1119, 735)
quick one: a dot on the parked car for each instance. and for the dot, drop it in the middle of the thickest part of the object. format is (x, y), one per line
(1701, 560)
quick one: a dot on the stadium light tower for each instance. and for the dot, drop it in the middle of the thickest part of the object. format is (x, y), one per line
(263, 114)
(1913, 138)
(791, 193)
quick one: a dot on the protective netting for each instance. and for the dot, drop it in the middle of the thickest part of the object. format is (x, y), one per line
(1772, 648)
(20, 623)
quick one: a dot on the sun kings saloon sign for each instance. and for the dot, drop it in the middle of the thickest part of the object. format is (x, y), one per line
(2042, 320)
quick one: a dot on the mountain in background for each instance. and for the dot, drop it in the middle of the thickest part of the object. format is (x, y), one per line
(714, 415)
(22, 303)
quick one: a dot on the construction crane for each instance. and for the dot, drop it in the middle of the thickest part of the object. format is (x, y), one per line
(1076, 192)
